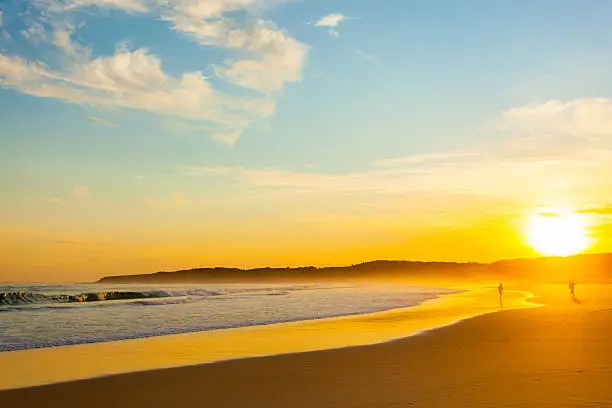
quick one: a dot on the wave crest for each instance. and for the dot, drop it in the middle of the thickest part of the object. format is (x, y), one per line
(24, 298)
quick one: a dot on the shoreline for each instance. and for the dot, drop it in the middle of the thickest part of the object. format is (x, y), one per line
(552, 356)
(35, 367)
(424, 296)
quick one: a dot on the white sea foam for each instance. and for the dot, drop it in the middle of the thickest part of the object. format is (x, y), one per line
(43, 317)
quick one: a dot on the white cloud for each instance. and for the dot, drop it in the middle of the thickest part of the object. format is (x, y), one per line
(209, 9)
(485, 175)
(330, 20)
(586, 118)
(35, 33)
(422, 158)
(137, 6)
(62, 38)
(266, 59)
(546, 169)
(276, 58)
(273, 57)
(14, 70)
(127, 71)
(268, 74)
(200, 9)
(134, 79)
(99, 121)
(227, 136)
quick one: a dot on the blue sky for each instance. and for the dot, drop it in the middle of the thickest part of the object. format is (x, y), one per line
(250, 117)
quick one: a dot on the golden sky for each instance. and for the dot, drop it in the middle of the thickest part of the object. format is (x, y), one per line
(284, 135)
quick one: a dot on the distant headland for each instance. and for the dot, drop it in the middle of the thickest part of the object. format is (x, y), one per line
(595, 268)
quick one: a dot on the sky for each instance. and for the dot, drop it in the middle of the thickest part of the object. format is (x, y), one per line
(147, 135)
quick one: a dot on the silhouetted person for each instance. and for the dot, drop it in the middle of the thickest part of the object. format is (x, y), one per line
(572, 285)
(500, 289)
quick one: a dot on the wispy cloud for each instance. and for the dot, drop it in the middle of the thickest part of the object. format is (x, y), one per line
(133, 79)
(266, 59)
(483, 175)
(365, 55)
(227, 136)
(422, 158)
(575, 131)
(99, 121)
(331, 22)
(62, 38)
(180, 127)
(138, 6)
(539, 175)
(35, 33)
(272, 58)
(1, 18)
(584, 118)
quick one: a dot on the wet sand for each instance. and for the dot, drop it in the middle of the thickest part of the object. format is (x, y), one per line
(554, 356)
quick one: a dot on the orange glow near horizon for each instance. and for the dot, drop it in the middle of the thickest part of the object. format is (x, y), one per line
(469, 235)
(554, 232)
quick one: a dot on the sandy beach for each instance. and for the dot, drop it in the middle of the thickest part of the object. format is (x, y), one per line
(551, 356)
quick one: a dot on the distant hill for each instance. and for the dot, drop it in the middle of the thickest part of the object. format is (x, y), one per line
(373, 269)
(583, 268)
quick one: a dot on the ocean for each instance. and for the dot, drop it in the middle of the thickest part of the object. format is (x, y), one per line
(34, 316)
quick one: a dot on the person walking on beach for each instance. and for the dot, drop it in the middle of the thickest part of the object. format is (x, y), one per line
(500, 289)
(572, 284)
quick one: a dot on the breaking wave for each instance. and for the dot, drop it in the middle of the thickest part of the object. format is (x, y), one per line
(25, 298)
(56, 315)
(21, 298)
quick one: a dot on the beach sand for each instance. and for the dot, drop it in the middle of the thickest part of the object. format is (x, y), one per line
(557, 355)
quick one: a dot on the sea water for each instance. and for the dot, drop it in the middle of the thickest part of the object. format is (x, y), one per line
(34, 316)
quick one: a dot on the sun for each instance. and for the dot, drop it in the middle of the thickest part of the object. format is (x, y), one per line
(557, 233)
